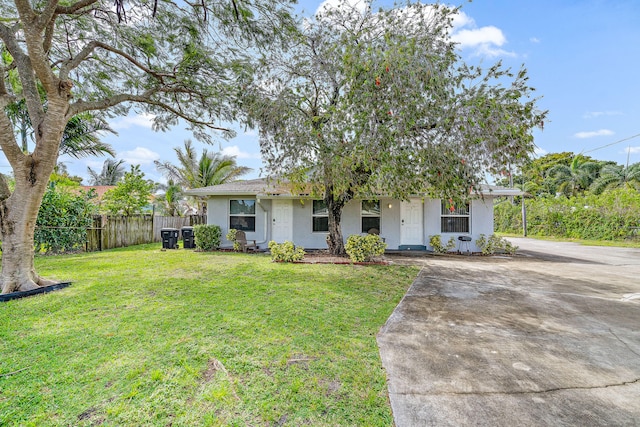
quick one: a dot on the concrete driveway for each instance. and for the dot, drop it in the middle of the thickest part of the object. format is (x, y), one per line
(549, 337)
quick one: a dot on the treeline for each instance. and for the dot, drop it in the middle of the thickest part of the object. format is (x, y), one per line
(574, 196)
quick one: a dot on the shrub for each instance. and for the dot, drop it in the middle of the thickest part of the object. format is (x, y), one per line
(494, 244)
(63, 219)
(611, 215)
(207, 236)
(286, 252)
(231, 236)
(435, 242)
(364, 248)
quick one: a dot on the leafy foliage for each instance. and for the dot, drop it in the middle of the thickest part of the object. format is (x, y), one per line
(231, 236)
(112, 172)
(131, 194)
(608, 216)
(198, 172)
(364, 248)
(207, 236)
(286, 252)
(380, 102)
(435, 242)
(63, 220)
(495, 244)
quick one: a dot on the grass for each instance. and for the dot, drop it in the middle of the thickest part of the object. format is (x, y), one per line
(631, 243)
(151, 338)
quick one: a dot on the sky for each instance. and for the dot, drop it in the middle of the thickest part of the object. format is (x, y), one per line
(582, 57)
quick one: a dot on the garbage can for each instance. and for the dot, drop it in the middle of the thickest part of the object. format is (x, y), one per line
(169, 238)
(188, 241)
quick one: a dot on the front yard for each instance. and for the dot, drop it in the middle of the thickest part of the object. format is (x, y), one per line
(182, 338)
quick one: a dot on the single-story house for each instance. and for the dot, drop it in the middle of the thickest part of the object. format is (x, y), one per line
(267, 211)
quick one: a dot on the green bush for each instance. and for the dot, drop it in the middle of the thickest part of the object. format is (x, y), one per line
(364, 248)
(493, 244)
(207, 237)
(286, 252)
(608, 216)
(63, 219)
(435, 242)
(231, 236)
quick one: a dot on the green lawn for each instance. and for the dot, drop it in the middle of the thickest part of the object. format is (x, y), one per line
(181, 338)
(631, 243)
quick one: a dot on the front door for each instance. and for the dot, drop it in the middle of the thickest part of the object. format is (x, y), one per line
(281, 220)
(411, 223)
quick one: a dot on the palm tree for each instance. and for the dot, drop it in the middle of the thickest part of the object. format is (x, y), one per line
(112, 172)
(80, 137)
(193, 172)
(575, 178)
(170, 199)
(614, 176)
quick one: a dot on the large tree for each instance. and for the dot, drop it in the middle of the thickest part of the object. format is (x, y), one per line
(378, 101)
(173, 60)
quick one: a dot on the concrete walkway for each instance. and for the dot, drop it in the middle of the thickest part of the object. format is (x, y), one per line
(549, 337)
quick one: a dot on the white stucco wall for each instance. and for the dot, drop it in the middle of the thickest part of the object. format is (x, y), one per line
(218, 213)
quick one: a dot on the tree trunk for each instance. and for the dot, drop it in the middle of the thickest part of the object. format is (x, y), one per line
(19, 211)
(335, 240)
(18, 216)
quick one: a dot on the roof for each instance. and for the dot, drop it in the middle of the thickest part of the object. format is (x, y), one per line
(270, 188)
(99, 189)
(253, 187)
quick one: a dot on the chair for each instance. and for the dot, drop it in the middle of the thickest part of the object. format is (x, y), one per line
(245, 244)
(464, 241)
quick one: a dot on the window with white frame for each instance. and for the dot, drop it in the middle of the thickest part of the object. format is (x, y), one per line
(242, 214)
(454, 219)
(370, 216)
(320, 216)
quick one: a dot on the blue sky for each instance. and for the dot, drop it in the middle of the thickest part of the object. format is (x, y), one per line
(583, 58)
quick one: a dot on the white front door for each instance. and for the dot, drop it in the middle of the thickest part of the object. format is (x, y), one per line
(411, 223)
(282, 220)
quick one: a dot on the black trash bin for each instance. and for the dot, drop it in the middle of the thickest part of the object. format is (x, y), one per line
(169, 238)
(188, 242)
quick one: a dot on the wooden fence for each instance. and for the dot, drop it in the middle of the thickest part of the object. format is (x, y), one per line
(110, 232)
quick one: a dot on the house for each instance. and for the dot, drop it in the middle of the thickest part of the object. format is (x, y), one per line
(266, 211)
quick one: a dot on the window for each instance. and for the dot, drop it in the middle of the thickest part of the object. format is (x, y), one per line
(242, 215)
(370, 215)
(320, 216)
(454, 219)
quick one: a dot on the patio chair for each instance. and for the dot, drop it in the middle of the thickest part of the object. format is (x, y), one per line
(245, 244)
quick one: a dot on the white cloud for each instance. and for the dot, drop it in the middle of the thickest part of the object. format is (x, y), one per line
(139, 156)
(632, 150)
(595, 133)
(235, 151)
(534, 40)
(596, 114)
(142, 120)
(486, 41)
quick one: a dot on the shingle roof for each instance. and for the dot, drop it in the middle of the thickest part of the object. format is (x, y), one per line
(248, 187)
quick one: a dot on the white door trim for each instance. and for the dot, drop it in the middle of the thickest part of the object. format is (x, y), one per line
(281, 220)
(412, 222)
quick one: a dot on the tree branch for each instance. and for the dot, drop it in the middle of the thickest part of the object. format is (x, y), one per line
(69, 10)
(90, 47)
(82, 106)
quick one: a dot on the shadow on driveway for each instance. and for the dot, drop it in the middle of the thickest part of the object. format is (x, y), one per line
(518, 341)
